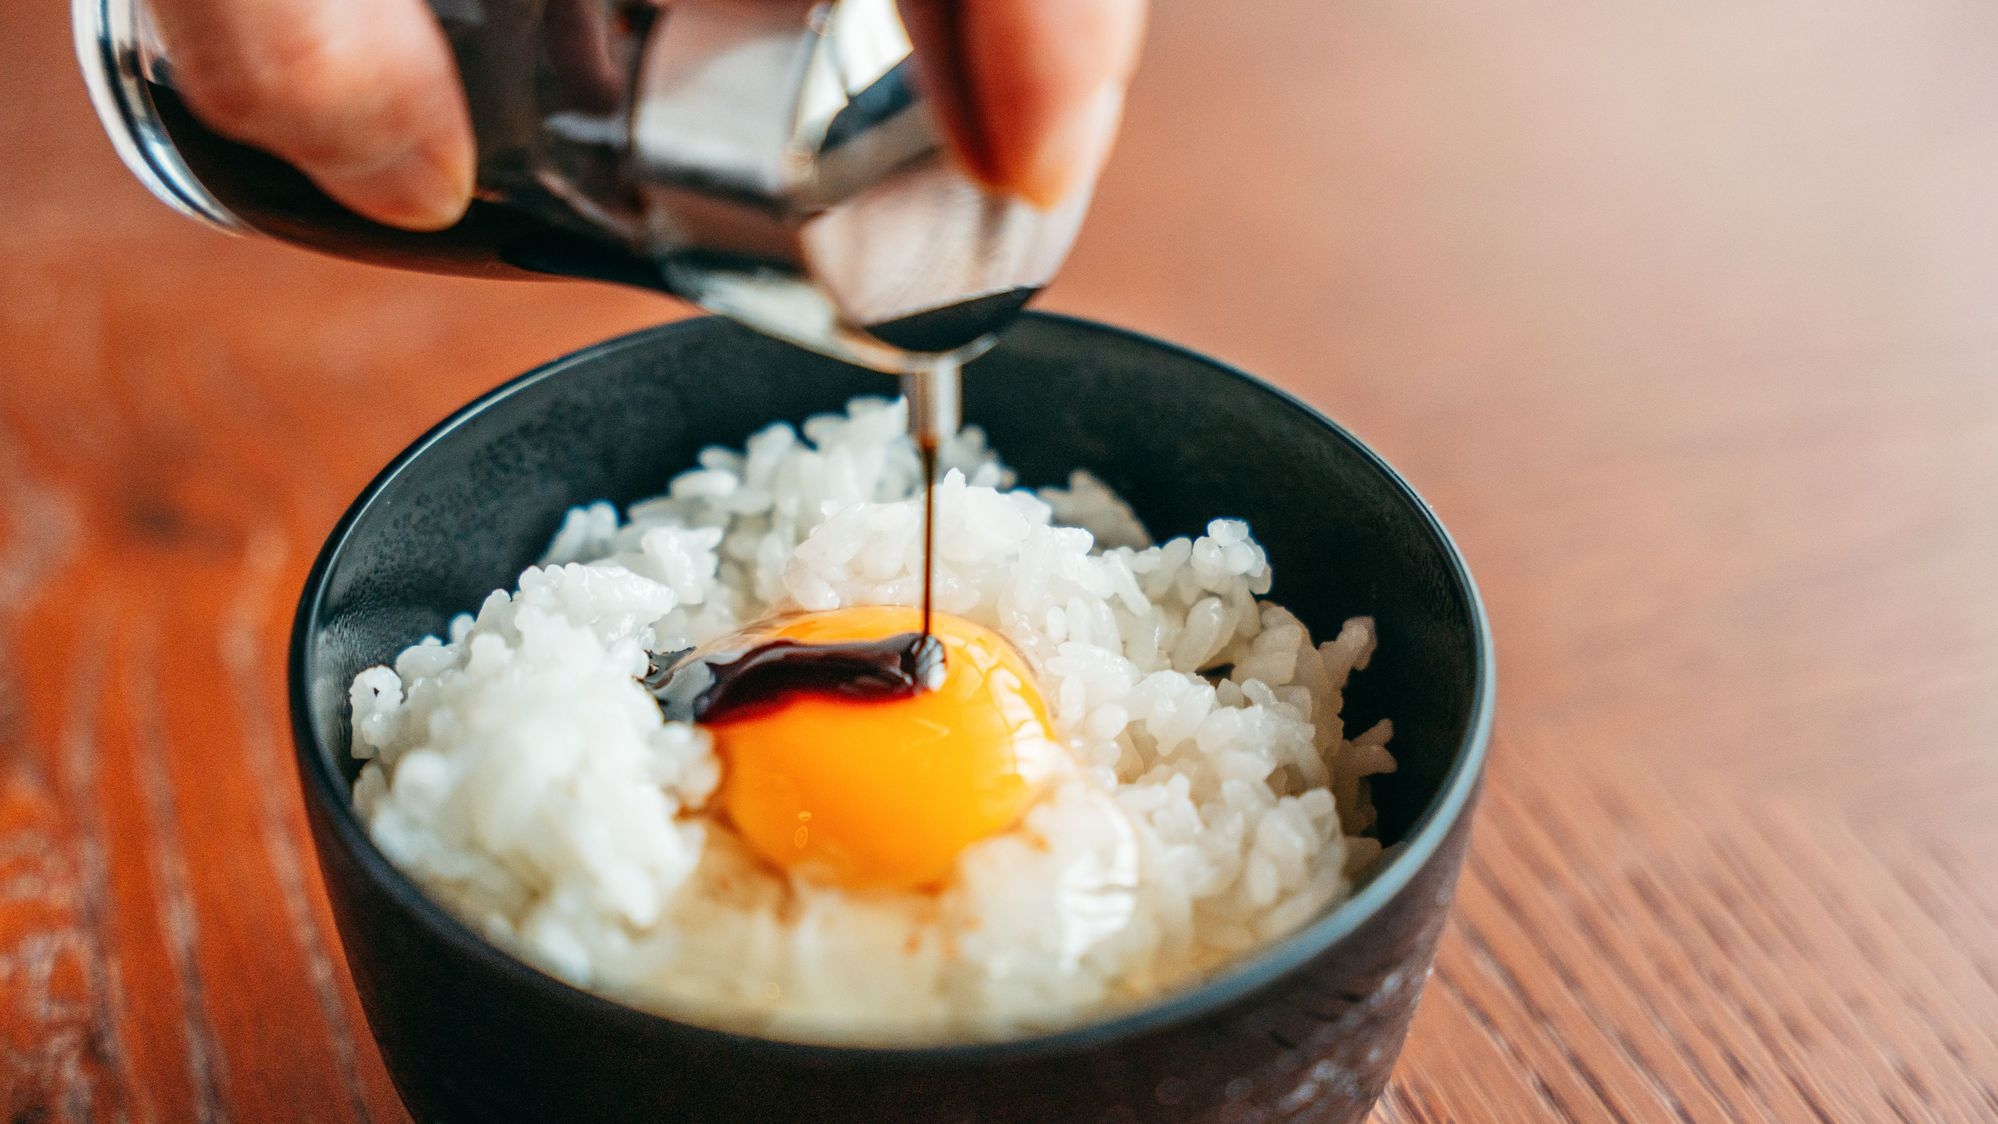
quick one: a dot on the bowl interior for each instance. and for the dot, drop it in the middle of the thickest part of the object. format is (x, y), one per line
(1185, 440)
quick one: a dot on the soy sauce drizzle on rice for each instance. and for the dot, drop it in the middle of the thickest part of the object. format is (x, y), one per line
(895, 667)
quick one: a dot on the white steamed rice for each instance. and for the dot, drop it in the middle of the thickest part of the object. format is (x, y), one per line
(520, 773)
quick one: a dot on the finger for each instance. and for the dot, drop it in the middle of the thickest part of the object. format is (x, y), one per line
(361, 95)
(1030, 91)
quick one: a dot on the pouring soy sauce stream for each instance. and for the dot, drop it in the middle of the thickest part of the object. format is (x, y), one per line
(934, 414)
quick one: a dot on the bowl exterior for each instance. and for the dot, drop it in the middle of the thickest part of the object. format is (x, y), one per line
(1306, 1031)
(464, 1041)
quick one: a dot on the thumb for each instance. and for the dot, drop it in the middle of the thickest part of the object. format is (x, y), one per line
(1030, 91)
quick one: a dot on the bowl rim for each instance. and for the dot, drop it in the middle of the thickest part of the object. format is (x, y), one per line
(323, 785)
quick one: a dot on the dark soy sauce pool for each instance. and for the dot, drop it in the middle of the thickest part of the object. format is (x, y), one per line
(762, 678)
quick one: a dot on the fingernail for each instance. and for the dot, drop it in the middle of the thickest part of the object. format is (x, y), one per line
(1072, 151)
(425, 188)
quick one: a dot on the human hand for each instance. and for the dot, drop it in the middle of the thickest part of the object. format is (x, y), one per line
(362, 96)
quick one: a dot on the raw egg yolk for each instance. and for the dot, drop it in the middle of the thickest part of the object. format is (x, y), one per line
(885, 794)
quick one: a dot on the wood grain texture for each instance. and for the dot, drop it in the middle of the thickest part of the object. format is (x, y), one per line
(1679, 311)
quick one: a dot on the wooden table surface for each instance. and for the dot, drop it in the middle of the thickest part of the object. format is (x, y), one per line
(1683, 313)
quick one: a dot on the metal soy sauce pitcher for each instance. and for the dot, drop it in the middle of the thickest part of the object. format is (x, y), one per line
(770, 160)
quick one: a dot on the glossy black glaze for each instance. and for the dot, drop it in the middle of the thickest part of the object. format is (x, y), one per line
(1304, 1031)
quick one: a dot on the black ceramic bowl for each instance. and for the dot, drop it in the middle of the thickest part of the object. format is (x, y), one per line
(1306, 1029)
